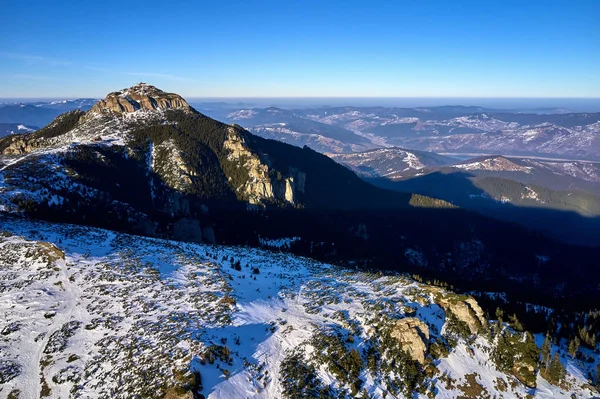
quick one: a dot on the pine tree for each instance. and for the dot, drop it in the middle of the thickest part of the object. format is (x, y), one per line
(573, 347)
(515, 323)
(546, 350)
(557, 370)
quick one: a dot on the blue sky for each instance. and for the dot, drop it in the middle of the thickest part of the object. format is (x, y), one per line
(303, 48)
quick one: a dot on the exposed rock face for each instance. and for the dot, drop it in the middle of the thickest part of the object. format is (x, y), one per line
(476, 309)
(18, 145)
(174, 394)
(466, 310)
(413, 334)
(141, 96)
(260, 186)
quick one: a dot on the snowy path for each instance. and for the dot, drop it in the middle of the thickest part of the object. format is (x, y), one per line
(68, 302)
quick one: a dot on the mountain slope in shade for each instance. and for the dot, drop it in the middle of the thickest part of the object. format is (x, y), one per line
(552, 174)
(103, 311)
(515, 189)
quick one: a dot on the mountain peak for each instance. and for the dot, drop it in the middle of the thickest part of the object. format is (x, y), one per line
(142, 96)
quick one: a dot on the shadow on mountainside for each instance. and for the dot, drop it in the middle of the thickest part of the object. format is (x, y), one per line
(458, 188)
(464, 248)
(345, 221)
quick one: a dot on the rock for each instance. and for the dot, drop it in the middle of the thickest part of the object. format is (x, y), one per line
(477, 309)
(140, 97)
(18, 145)
(51, 251)
(174, 394)
(466, 310)
(413, 335)
(262, 186)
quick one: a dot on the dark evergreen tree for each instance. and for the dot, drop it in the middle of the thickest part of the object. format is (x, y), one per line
(557, 370)
(573, 347)
(546, 352)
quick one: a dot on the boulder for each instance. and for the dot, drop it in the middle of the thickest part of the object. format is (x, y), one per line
(413, 335)
(466, 310)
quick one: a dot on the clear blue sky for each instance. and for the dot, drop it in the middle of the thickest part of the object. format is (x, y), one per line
(307, 48)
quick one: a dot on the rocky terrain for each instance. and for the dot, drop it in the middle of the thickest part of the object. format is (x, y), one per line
(93, 313)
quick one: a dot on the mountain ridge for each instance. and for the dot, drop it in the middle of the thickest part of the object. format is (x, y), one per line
(182, 163)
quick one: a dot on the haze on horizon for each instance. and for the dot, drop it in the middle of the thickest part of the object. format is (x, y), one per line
(467, 49)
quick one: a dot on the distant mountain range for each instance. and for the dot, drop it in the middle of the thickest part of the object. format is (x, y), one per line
(40, 113)
(392, 162)
(438, 129)
(15, 128)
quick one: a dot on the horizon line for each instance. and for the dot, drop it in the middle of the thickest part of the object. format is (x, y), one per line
(324, 97)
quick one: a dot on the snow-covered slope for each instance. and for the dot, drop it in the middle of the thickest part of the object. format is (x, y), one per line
(491, 164)
(88, 313)
(391, 163)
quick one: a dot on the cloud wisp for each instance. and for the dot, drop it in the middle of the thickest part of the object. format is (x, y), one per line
(35, 59)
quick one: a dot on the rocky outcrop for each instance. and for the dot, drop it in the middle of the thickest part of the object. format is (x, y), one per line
(413, 335)
(178, 394)
(476, 309)
(17, 144)
(466, 309)
(262, 185)
(140, 97)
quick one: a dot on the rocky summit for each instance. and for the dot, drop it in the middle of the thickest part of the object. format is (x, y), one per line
(140, 97)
